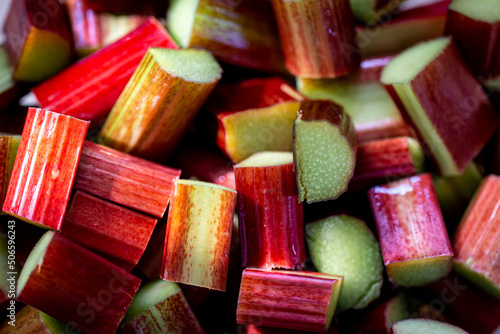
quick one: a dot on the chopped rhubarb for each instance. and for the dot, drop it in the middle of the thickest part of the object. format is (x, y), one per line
(8, 151)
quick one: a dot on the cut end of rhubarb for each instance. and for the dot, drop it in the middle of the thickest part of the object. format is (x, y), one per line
(203, 184)
(484, 10)
(34, 260)
(407, 65)
(148, 296)
(477, 278)
(180, 18)
(191, 65)
(419, 272)
(369, 11)
(53, 325)
(412, 326)
(324, 160)
(417, 154)
(264, 159)
(343, 245)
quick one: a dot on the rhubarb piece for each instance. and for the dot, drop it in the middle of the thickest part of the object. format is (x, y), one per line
(455, 193)
(288, 299)
(412, 234)
(45, 168)
(111, 5)
(242, 33)
(8, 88)
(160, 101)
(474, 27)
(371, 11)
(75, 286)
(124, 179)
(198, 234)
(439, 114)
(380, 161)
(205, 165)
(413, 22)
(8, 151)
(317, 37)
(374, 114)
(412, 326)
(343, 245)
(475, 243)
(254, 115)
(160, 307)
(380, 319)
(118, 234)
(38, 39)
(271, 219)
(93, 31)
(31, 320)
(89, 89)
(324, 150)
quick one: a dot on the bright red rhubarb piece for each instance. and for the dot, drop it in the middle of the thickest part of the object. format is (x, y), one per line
(317, 37)
(254, 115)
(288, 299)
(38, 39)
(475, 27)
(414, 21)
(241, 33)
(45, 168)
(76, 286)
(198, 236)
(118, 234)
(270, 214)
(89, 89)
(8, 151)
(124, 179)
(476, 241)
(413, 238)
(384, 160)
(93, 30)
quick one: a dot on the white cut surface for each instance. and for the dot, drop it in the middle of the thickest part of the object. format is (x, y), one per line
(480, 10)
(180, 20)
(192, 65)
(425, 326)
(407, 65)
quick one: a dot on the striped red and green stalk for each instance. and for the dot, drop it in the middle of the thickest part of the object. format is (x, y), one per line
(124, 179)
(413, 237)
(384, 160)
(241, 33)
(8, 151)
(89, 88)
(317, 37)
(38, 39)
(118, 234)
(296, 300)
(76, 286)
(45, 168)
(160, 307)
(254, 115)
(156, 107)
(476, 246)
(270, 214)
(198, 236)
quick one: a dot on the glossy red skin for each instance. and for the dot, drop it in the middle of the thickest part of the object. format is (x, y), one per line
(27, 14)
(118, 234)
(205, 165)
(475, 125)
(285, 299)
(465, 305)
(89, 89)
(45, 167)
(404, 239)
(85, 25)
(320, 44)
(80, 288)
(478, 41)
(476, 241)
(124, 179)
(380, 161)
(270, 217)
